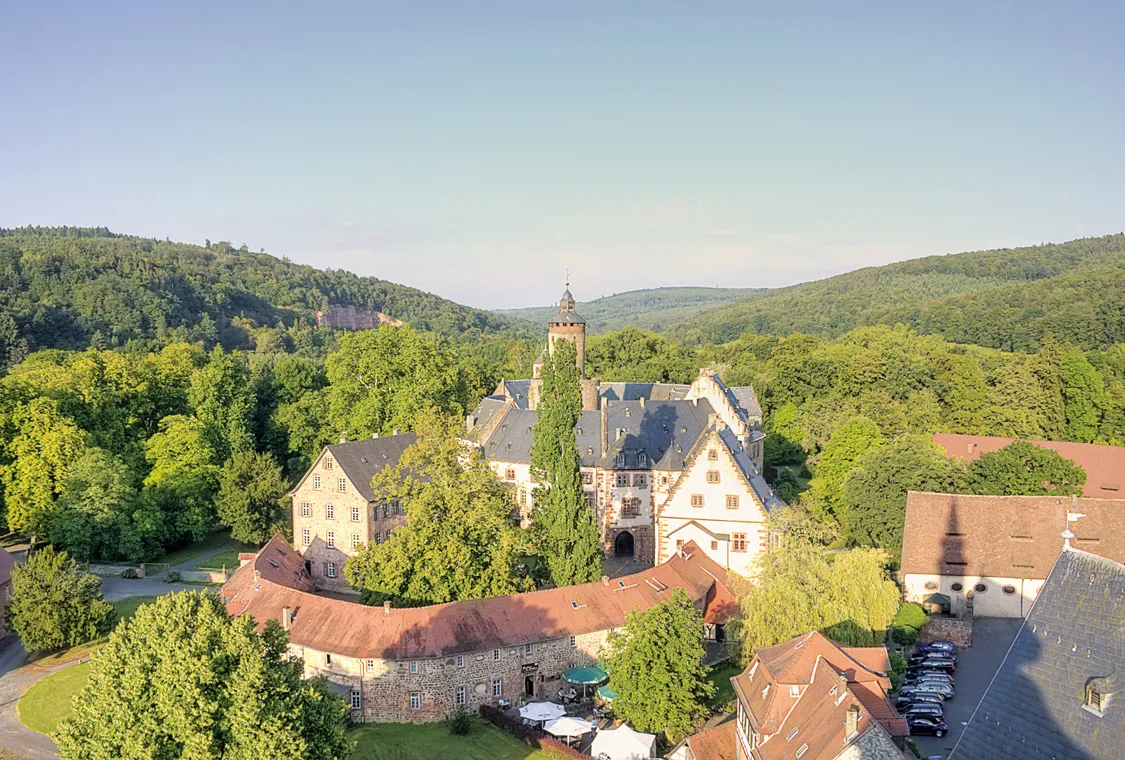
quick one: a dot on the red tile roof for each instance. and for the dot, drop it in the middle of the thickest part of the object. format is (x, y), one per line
(1005, 536)
(1104, 465)
(262, 589)
(715, 743)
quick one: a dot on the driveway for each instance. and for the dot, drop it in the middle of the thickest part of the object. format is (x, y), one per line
(975, 668)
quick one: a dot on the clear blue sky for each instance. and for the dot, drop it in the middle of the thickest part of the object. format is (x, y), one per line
(478, 150)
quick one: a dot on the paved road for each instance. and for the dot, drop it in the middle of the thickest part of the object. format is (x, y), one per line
(16, 676)
(975, 668)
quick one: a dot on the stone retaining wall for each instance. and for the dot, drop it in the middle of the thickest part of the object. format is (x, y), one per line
(957, 630)
(106, 569)
(205, 576)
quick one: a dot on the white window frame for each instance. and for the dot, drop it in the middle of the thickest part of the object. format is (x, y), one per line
(357, 700)
(355, 541)
(330, 539)
(460, 696)
(306, 509)
(413, 666)
(497, 687)
(527, 648)
(573, 641)
(370, 666)
(330, 570)
(316, 482)
(415, 700)
(306, 537)
(329, 512)
(342, 485)
(356, 516)
(459, 661)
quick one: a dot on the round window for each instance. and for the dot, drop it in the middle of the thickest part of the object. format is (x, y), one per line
(980, 588)
(931, 585)
(957, 587)
(1009, 590)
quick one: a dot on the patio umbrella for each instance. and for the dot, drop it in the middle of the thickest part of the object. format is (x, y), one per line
(568, 727)
(623, 743)
(607, 693)
(584, 676)
(541, 711)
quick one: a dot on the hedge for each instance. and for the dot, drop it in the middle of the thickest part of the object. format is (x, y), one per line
(532, 735)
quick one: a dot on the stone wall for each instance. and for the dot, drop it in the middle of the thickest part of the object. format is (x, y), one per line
(107, 569)
(205, 576)
(957, 630)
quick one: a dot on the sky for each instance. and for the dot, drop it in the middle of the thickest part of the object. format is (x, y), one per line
(482, 150)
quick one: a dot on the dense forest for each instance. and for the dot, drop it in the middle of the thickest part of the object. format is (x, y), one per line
(1009, 299)
(68, 287)
(652, 309)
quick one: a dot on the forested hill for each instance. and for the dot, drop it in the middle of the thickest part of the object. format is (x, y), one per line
(74, 287)
(652, 309)
(1009, 299)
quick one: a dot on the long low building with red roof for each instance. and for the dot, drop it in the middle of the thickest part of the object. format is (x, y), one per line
(423, 663)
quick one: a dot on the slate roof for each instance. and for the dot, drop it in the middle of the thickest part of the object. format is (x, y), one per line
(1104, 465)
(362, 460)
(648, 391)
(1033, 709)
(355, 630)
(1004, 536)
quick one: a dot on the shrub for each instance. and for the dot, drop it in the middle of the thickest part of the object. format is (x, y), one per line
(532, 735)
(461, 723)
(898, 670)
(171, 577)
(911, 615)
(129, 572)
(904, 635)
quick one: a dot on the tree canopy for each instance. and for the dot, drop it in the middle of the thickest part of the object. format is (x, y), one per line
(251, 497)
(56, 604)
(182, 679)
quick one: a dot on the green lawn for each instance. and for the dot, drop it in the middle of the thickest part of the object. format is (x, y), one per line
(214, 541)
(126, 608)
(724, 689)
(48, 702)
(432, 741)
(227, 558)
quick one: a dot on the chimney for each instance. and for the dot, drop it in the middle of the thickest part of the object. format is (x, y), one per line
(695, 402)
(386, 608)
(397, 431)
(642, 402)
(375, 434)
(344, 437)
(851, 722)
(257, 573)
(286, 617)
(605, 580)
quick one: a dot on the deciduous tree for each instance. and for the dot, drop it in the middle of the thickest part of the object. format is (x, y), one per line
(1024, 469)
(251, 489)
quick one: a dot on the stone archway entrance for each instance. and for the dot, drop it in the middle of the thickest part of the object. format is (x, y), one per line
(623, 544)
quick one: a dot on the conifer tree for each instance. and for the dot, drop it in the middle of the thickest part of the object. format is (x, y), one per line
(566, 535)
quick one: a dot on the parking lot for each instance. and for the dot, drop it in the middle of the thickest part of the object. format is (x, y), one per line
(975, 668)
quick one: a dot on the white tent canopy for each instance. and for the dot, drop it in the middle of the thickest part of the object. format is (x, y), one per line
(568, 727)
(540, 711)
(623, 743)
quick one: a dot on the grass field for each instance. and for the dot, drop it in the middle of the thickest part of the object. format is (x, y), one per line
(227, 558)
(126, 608)
(432, 741)
(187, 553)
(724, 690)
(48, 702)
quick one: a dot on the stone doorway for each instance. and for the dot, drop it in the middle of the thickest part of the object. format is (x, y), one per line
(623, 544)
(529, 685)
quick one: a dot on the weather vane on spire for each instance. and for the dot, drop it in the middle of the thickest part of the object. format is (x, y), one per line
(568, 279)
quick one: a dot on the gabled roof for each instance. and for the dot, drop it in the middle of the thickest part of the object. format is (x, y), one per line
(1004, 536)
(715, 743)
(363, 459)
(748, 471)
(354, 630)
(510, 440)
(1074, 633)
(1104, 465)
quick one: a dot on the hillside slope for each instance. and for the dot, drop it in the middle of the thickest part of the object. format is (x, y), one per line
(652, 309)
(1007, 298)
(69, 287)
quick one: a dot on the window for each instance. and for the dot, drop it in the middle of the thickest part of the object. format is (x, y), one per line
(1095, 700)
(802, 750)
(714, 545)
(356, 697)
(341, 484)
(306, 510)
(794, 691)
(355, 540)
(527, 648)
(415, 700)
(328, 463)
(679, 544)
(370, 665)
(697, 500)
(327, 660)
(379, 537)
(386, 511)
(459, 696)
(789, 736)
(638, 480)
(413, 666)
(330, 569)
(497, 687)
(589, 498)
(713, 455)
(957, 587)
(355, 514)
(510, 473)
(738, 542)
(496, 655)
(732, 501)
(316, 482)
(305, 537)
(330, 538)
(642, 460)
(329, 512)
(931, 586)
(630, 507)
(574, 641)
(588, 478)
(523, 498)
(459, 661)
(622, 480)
(1009, 590)
(980, 588)
(712, 476)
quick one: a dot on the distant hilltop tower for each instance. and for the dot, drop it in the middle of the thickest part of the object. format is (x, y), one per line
(568, 325)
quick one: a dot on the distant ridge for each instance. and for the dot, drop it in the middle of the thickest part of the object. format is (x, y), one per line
(651, 309)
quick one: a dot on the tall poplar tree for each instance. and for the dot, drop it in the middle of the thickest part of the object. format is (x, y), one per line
(566, 535)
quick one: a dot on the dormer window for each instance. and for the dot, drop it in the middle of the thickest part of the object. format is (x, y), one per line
(1097, 696)
(794, 691)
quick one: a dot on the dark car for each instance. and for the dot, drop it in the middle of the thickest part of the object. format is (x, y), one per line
(923, 656)
(928, 725)
(933, 663)
(929, 687)
(933, 675)
(932, 698)
(923, 708)
(938, 646)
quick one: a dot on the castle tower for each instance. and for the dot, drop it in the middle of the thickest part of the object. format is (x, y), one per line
(568, 325)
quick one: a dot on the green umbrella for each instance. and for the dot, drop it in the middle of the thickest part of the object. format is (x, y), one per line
(607, 693)
(584, 676)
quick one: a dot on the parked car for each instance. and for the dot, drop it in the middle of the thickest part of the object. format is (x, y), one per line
(928, 725)
(918, 698)
(928, 687)
(931, 675)
(923, 708)
(938, 646)
(923, 656)
(933, 663)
